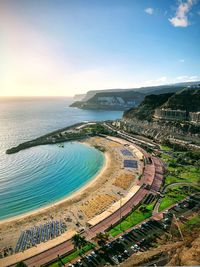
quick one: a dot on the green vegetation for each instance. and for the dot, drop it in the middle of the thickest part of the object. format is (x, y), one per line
(135, 217)
(171, 197)
(191, 225)
(21, 264)
(176, 194)
(165, 148)
(96, 129)
(194, 220)
(73, 255)
(181, 166)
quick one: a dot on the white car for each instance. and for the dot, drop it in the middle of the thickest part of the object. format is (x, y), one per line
(115, 259)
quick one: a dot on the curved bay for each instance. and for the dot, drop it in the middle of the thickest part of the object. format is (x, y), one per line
(45, 174)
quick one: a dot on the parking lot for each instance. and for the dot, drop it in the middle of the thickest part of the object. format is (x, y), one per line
(140, 238)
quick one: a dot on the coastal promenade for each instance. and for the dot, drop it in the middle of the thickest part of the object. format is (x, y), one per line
(43, 254)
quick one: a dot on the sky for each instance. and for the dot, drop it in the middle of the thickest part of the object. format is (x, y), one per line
(67, 47)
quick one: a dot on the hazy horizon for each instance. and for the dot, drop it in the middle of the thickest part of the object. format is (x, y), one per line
(63, 48)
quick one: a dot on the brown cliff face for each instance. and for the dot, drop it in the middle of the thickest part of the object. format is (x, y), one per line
(187, 255)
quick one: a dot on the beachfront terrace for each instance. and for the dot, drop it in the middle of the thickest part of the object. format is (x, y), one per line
(124, 181)
(97, 205)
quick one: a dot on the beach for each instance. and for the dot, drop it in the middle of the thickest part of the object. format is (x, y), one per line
(73, 208)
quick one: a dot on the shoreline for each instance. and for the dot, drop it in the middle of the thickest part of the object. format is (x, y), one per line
(78, 208)
(74, 194)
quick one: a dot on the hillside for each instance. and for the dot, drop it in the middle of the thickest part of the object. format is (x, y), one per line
(146, 109)
(187, 99)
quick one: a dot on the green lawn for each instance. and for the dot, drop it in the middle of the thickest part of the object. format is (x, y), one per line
(165, 148)
(191, 173)
(134, 218)
(174, 195)
(169, 179)
(179, 172)
(167, 201)
(183, 174)
(72, 256)
(166, 158)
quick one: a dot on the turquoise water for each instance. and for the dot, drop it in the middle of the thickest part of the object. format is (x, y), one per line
(42, 175)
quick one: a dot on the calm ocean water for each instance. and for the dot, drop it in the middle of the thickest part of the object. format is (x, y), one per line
(42, 175)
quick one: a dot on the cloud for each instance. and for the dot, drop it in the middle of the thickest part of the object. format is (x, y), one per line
(198, 13)
(167, 80)
(158, 81)
(182, 60)
(187, 78)
(181, 17)
(149, 10)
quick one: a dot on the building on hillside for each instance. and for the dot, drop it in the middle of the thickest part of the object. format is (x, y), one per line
(194, 117)
(170, 114)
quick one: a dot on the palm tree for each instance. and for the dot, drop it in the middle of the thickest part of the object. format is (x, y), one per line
(60, 260)
(21, 264)
(102, 238)
(79, 242)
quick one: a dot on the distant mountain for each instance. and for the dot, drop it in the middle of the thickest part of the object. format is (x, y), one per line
(79, 97)
(123, 99)
(120, 100)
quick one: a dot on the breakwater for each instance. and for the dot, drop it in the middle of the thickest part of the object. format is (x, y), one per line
(58, 136)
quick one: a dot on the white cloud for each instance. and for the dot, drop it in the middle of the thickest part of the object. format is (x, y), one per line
(167, 80)
(180, 78)
(187, 78)
(159, 81)
(181, 17)
(149, 10)
(182, 60)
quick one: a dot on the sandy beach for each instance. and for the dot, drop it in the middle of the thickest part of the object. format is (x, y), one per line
(73, 209)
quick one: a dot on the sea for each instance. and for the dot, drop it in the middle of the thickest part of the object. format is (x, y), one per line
(40, 176)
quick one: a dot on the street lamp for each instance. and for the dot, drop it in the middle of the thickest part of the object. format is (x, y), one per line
(120, 210)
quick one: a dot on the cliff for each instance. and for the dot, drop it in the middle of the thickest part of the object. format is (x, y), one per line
(121, 100)
(146, 109)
